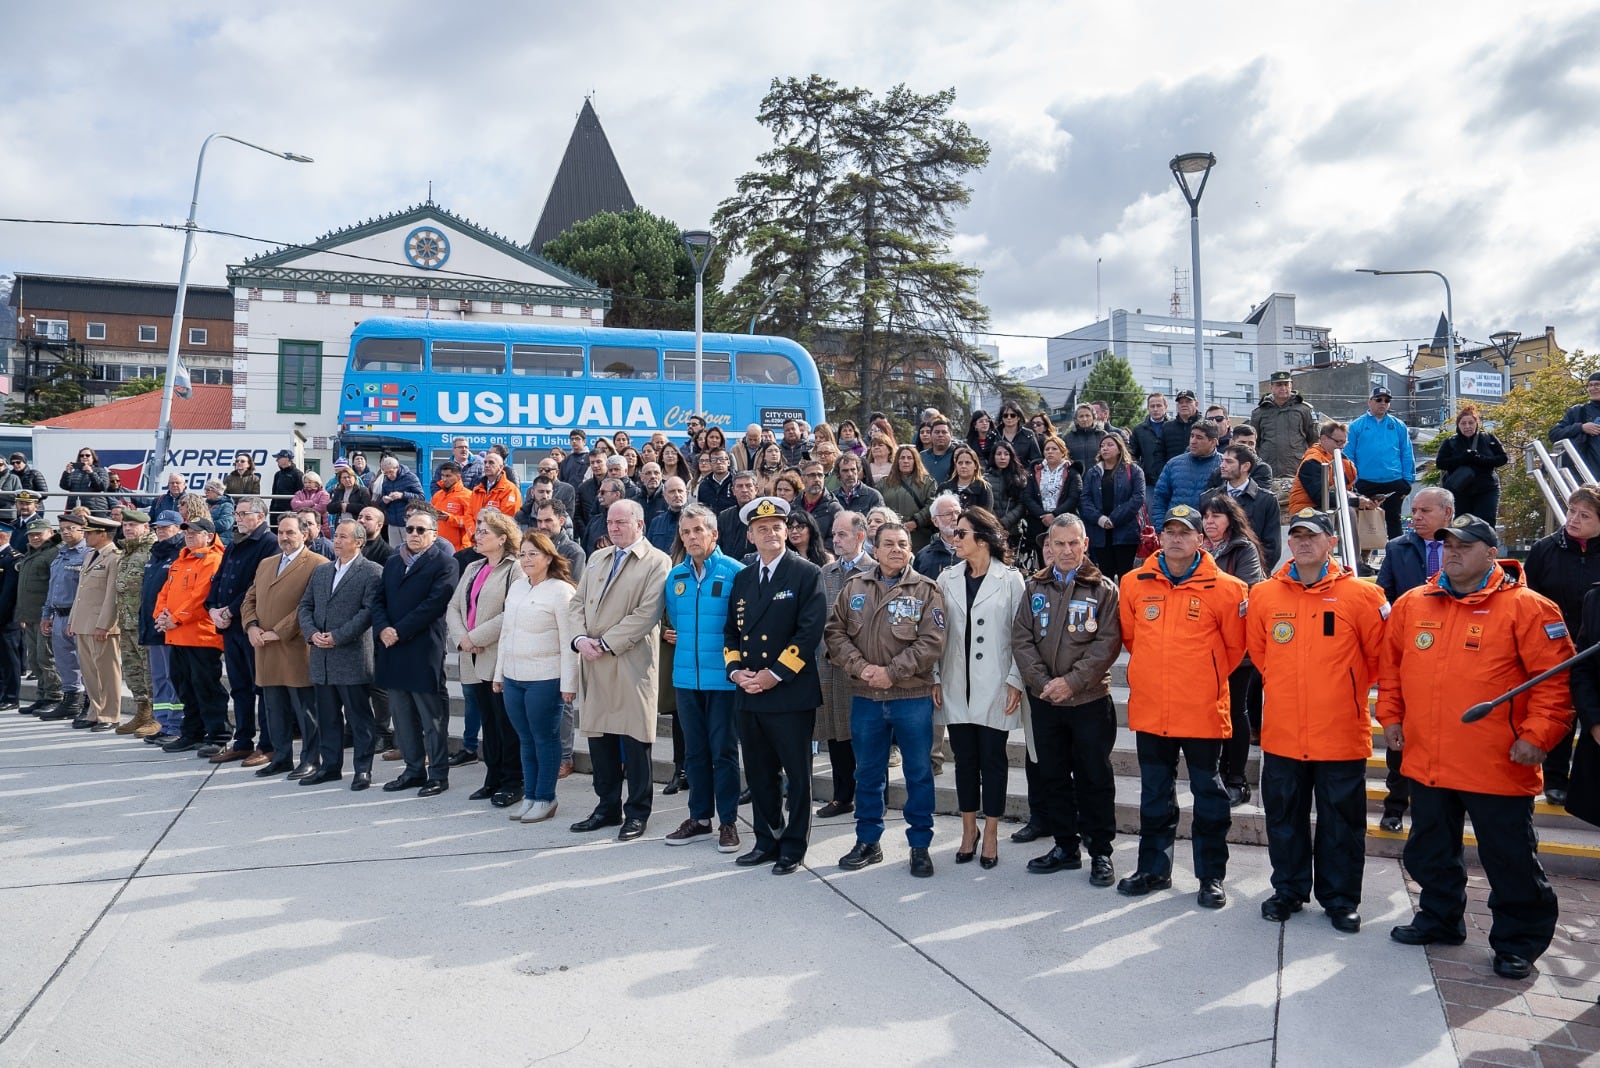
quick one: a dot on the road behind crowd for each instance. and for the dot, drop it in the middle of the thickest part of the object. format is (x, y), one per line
(162, 911)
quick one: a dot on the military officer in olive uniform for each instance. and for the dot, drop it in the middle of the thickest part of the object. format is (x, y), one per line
(770, 645)
(93, 625)
(137, 539)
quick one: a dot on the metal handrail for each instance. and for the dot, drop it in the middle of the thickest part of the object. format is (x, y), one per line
(1577, 460)
(1343, 523)
(1558, 476)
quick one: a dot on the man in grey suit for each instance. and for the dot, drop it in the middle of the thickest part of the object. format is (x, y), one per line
(336, 620)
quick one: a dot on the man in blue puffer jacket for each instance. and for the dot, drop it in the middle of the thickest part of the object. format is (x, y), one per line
(1183, 478)
(699, 596)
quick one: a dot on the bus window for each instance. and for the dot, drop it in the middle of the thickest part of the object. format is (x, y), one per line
(387, 354)
(469, 358)
(767, 368)
(610, 362)
(549, 361)
(713, 365)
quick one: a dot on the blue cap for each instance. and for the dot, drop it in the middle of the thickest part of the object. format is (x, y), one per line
(168, 518)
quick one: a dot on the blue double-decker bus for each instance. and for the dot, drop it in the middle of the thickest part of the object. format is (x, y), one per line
(412, 386)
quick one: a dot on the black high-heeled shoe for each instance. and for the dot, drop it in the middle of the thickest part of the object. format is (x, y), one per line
(966, 858)
(988, 862)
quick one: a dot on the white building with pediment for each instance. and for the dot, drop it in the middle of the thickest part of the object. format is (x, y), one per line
(294, 309)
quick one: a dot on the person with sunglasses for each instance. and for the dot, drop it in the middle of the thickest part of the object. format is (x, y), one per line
(1380, 447)
(1015, 432)
(1218, 414)
(87, 476)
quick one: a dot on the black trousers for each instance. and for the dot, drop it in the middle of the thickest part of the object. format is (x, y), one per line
(1030, 775)
(981, 768)
(502, 748)
(239, 657)
(378, 703)
(197, 676)
(1114, 561)
(842, 760)
(1077, 791)
(1329, 862)
(1558, 762)
(10, 663)
(1243, 684)
(337, 705)
(281, 708)
(1398, 799)
(1158, 804)
(422, 731)
(777, 745)
(1394, 507)
(677, 741)
(1520, 898)
(611, 756)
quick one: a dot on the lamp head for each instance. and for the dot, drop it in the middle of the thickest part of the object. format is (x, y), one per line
(1193, 162)
(295, 157)
(699, 239)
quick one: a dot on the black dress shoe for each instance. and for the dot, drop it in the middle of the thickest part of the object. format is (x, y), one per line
(462, 757)
(433, 788)
(595, 821)
(1101, 871)
(82, 724)
(921, 863)
(754, 857)
(1238, 795)
(835, 808)
(322, 775)
(744, 796)
(1211, 895)
(101, 728)
(785, 866)
(1279, 907)
(1511, 966)
(506, 798)
(631, 829)
(275, 768)
(1555, 797)
(1058, 859)
(304, 768)
(483, 793)
(1141, 883)
(362, 780)
(1028, 832)
(1409, 934)
(404, 782)
(208, 750)
(1346, 920)
(1390, 824)
(861, 854)
(672, 784)
(181, 745)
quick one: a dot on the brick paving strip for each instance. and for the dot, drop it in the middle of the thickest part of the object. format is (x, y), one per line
(1551, 1019)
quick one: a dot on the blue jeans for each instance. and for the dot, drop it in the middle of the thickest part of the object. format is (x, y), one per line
(474, 720)
(710, 753)
(908, 722)
(534, 709)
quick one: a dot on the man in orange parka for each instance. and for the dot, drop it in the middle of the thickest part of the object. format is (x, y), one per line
(1183, 622)
(1314, 630)
(453, 502)
(1472, 632)
(498, 489)
(196, 647)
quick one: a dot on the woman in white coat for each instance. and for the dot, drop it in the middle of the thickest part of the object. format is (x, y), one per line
(977, 692)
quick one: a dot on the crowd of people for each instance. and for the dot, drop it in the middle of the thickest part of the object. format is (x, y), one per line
(900, 604)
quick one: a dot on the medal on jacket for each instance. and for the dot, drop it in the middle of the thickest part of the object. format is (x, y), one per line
(1092, 624)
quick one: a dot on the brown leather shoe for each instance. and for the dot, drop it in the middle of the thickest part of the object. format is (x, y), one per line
(392, 754)
(255, 759)
(230, 754)
(566, 769)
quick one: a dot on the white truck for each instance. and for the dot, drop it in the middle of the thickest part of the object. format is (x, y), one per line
(197, 455)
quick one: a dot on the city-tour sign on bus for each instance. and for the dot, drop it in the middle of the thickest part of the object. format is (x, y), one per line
(428, 382)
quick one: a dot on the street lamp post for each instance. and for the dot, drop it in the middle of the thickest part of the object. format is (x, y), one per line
(164, 426)
(1449, 337)
(699, 244)
(1505, 343)
(1182, 167)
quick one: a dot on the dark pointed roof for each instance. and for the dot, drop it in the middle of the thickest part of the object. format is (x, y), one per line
(587, 182)
(1441, 333)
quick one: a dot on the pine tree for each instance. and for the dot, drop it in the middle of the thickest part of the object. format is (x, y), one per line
(640, 257)
(1111, 380)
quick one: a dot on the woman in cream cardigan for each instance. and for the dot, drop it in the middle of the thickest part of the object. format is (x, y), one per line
(475, 623)
(978, 690)
(537, 669)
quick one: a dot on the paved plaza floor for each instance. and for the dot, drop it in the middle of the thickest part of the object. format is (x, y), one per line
(160, 911)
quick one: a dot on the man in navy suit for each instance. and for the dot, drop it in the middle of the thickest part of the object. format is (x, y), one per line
(770, 645)
(336, 621)
(408, 622)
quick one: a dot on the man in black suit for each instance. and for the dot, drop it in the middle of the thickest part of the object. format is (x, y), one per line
(408, 622)
(770, 644)
(336, 621)
(733, 537)
(10, 631)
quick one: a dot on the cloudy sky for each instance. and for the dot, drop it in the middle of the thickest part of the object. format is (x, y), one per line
(1444, 135)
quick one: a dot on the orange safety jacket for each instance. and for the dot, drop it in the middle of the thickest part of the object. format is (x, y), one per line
(1443, 654)
(505, 496)
(184, 595)
(1299, 498)
(1183, 643)
(1317, 649)
(457, 517)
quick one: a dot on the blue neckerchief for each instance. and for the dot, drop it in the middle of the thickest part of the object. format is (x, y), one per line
(1066, 579)
(1444, 584)
(1294, 571)
(1177, 580)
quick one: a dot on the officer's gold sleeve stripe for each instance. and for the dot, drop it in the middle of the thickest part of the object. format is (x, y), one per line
(791, 659)
(730, 656)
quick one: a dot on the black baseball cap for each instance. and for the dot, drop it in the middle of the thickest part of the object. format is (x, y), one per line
(1312, 520)
(1471, 528)
(1189, 517)
(1185, 394)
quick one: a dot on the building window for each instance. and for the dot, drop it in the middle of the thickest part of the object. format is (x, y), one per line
(50, 329)
(1161, 355)
(1211, 359)
(95, 332)
(1161, 385)
(1244, 361)
(1249, 394)
(197, 335)
(147, 335)
(300, 377)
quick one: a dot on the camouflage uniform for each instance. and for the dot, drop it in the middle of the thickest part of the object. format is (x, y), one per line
(135, 658)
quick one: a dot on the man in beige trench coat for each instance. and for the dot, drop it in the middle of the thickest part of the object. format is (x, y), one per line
(271, 615)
